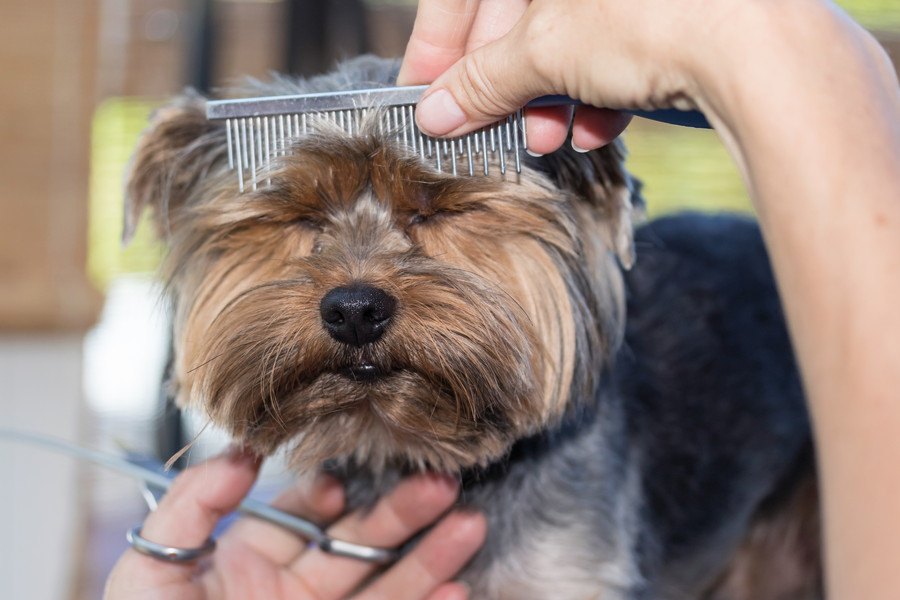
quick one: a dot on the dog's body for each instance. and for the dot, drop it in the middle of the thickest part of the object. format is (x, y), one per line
(647, 492)
(490, 347)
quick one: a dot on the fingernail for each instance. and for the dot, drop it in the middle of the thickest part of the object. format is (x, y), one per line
(438, 113)
(579, 148)
(534, 154)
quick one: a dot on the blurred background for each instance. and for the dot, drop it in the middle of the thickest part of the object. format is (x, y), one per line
(83, 330)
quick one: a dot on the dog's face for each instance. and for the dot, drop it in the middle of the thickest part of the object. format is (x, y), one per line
(362, 306)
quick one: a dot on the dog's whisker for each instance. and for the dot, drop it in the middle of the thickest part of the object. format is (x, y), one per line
(269, 369)
(174, 458)
(242, 297)
(206, 362)
(273, 397)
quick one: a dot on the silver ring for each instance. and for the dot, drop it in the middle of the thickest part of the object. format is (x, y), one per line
(167, 553)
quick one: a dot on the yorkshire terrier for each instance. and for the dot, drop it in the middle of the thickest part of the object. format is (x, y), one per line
(372, 314)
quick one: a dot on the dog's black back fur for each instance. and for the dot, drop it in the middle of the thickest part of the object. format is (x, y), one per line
(708, 379)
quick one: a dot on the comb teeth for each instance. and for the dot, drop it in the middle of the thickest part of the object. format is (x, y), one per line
(256, 142)
(259, 132)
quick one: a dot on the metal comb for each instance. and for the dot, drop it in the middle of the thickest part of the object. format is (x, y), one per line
(260, 130)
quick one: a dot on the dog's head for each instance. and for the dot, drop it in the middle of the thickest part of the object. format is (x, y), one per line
(363, 306)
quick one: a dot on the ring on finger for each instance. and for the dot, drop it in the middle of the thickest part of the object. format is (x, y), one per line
(167, 553)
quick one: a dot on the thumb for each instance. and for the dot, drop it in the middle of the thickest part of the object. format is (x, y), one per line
(482, 87)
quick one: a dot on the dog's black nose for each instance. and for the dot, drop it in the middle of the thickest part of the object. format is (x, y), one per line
(356, 314)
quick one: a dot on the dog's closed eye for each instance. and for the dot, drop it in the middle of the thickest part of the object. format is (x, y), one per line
(427, 216)
(424, 216)
(309, 222)
(418, 218)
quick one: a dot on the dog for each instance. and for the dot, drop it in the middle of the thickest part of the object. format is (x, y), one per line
(623, 405)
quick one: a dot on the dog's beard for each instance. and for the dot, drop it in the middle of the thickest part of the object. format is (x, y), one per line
(455, 375)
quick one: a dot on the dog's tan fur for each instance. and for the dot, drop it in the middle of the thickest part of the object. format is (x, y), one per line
(482, 350)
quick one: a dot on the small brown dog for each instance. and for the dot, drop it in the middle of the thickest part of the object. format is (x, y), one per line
(367, 311)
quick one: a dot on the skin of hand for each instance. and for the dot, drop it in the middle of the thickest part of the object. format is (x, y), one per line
(447, 30)
(808, 105)
(258, 560)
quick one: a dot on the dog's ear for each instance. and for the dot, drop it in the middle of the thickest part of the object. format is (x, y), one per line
(599, 177)
(174, 155)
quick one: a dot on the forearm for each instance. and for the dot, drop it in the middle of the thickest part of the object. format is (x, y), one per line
(813, 120)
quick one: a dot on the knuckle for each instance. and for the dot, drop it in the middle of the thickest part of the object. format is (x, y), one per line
(538, 25)
(541, 26)
(181, 485)
(478, 90)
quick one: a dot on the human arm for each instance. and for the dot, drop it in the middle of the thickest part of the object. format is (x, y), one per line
(819, 148)
(808, 106)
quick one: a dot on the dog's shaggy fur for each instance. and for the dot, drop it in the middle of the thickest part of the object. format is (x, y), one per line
(606, 470)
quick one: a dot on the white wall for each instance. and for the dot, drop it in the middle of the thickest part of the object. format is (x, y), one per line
(40, 504)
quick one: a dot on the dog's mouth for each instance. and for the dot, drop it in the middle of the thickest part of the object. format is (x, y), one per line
(363, 372)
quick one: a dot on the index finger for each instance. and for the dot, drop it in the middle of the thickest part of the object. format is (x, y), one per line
(438, 39)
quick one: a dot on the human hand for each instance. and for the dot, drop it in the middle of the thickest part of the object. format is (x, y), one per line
(487, 59)
(255, 559)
